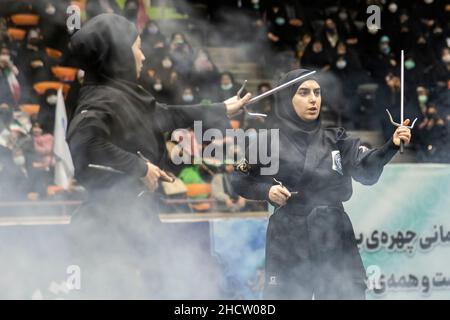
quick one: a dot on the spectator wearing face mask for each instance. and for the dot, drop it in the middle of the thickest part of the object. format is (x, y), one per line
(347, 67)
(413, 71)
(316, 56)
(153, 44)
(390, 17)
(181, 54)
(330, 35)
(433, 137)
(223, 191)
(96, 7)
(6, 116)
(423, 53)
(13, 181)
(264, 106)
(228, 87)
(441, 72)
(278, 27)
(406, 32)
(46, 115)
(52, 23)
(187, 96)
(346, 27)
(39, 162)
(205, 73)
(9, 85)
(422, 99)
(383, 62)
(35, 65)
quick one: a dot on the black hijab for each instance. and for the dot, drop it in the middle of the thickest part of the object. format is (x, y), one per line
(286, 119)
(102, 48)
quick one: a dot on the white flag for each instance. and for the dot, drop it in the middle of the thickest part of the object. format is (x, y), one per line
(64, 169)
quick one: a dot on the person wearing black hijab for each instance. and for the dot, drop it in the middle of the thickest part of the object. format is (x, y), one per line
(311, 248)
(117, 230)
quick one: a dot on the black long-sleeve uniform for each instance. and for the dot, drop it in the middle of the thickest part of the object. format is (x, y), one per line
(311, 247)
(117, 235)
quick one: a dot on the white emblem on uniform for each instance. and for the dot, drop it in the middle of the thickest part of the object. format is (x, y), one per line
(363, 148)
(273, 281)
(243, 166)
(336, 161)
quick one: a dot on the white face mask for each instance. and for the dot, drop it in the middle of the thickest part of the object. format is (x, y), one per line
(343, 15)
(393, 7)
(52, 99)
(50, 10)
(152, 29)
(80, 75)
(446, 58)
(167, 64)
(373, 30)
(5, 57)
(19, 161)
(226, 86)
(188, 97)
(157, 86)
(341, 64)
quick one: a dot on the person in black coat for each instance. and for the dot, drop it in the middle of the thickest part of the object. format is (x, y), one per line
(310, 246)
(117, 234)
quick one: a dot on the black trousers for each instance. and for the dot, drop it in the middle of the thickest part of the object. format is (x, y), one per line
(312, 253)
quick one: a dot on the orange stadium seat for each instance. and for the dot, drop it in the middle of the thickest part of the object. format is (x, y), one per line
(197, 189)
(16, 33)
(53, 53)
(65, 73)
(235, 124)
(25, 19)
(54, 189)
(41, 87)
(30, 108)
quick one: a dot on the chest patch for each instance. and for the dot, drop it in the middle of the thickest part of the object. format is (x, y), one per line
(336, 161)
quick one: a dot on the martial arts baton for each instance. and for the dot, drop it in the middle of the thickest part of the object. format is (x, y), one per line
(252, 114)
(271, 92)
(279, 88)
(104, 168)
(172, 178)
(281, 184)
(112, 170)
(401, 103)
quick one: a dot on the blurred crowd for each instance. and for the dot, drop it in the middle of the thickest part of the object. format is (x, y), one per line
(360, 67)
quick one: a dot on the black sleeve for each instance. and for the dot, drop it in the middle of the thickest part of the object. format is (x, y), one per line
(364, 165)
(175, 117)
(89, 143)
(247, 180)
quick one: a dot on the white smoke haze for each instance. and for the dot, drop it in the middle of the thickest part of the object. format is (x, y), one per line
(162, 260)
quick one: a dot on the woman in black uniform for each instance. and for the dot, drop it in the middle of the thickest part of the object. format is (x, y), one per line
(311, 249)
(117, 236)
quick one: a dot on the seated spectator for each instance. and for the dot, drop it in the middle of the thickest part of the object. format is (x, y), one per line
(316, 56)
(204, 73)
(222, 191)
(227, 88)
(96, 7)
(188, 96)
(9, 86)
(433, 137)
(264, 106)
(181, 53)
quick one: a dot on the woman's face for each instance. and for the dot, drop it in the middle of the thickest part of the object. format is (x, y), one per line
(307, 100)
(138, 56)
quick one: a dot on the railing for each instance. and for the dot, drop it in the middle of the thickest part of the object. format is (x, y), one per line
(34, 213)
